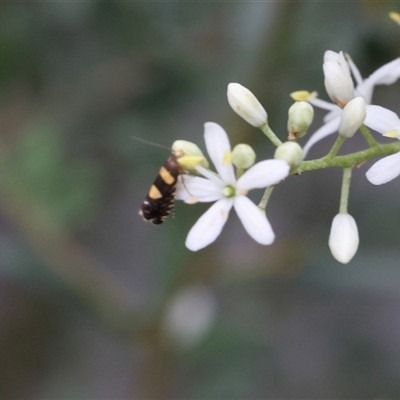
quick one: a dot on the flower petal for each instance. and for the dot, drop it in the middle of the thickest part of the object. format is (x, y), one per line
(212, 176)
(219, 150)
(263, 174)
(254, 220)
(384, 170)
(385, 75)
(200, 189)
(381, 119)
(325, 105)
(325, 130)
(209, 225)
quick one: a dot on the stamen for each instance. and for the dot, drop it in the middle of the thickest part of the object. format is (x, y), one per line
(395, 17)
(394, 134)
(303, 95)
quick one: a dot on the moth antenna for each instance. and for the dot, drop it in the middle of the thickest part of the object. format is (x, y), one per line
(151, 143)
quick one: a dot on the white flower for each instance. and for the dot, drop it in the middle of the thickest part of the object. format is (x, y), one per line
(227, 192)
(343, 239)
(387, 123)
(385, 75)
(246, 105)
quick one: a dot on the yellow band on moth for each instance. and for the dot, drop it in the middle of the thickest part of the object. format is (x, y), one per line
(166, 176)
(154, 193)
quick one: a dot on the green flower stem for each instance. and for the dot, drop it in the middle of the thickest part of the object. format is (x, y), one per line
(344, 195)
(368, 137)
(270, 135)
(350, 160)
(265, 198)
(336, 146)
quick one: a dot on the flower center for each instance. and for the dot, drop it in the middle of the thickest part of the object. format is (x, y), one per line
(229, 191)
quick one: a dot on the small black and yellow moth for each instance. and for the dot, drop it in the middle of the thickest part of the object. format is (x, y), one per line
(159, 202)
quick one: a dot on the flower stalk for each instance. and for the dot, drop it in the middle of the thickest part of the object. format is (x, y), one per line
(350, 160)
(270, 135)
(368, 137)
(344, 195)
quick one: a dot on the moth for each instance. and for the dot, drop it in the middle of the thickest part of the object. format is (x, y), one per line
(159, 202)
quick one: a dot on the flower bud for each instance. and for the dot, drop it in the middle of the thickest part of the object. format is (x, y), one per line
(246, 105)
(338, 82)
(243, 156)
(343, 239)
(189, 316)
(352, 117)
(192, 155)
(300, 117)
(291, 152)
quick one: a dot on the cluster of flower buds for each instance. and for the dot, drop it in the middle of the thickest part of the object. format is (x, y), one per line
(236, 171)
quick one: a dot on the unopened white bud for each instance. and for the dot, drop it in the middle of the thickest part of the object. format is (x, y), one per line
(246, 105)
(190, 155)
(291, 152)
(352, 117)
(343, 239)
(338, 82)
(243, 156)
(300, 117)
(189, 316)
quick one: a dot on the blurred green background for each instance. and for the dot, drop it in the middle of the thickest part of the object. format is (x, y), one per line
(97, 304)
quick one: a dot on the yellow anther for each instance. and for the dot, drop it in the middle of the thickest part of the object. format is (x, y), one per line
(190, 161)
(303, 95)
(393, 134)
(395, 17)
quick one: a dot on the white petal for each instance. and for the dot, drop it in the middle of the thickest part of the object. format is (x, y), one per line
(326, 105)
(200, 189)
(219, 150)
(325, 130)
(381, 119)
(384, 170)
(263, 174)
(343, 239)
(354, 70)
(335, 113)
(209, 225)
(254, 220)
(385, 75)
(210, 175)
